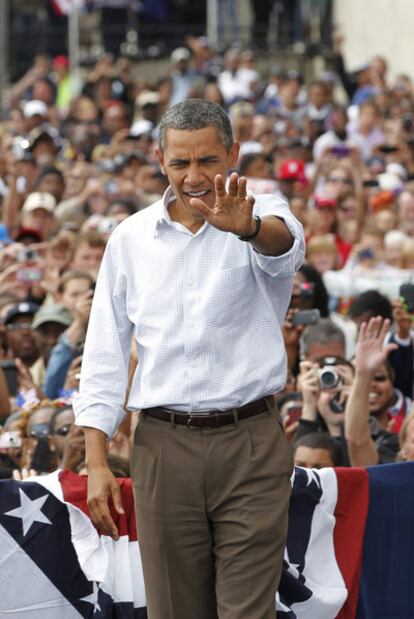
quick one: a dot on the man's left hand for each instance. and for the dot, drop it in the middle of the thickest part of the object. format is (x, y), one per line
(233, 209)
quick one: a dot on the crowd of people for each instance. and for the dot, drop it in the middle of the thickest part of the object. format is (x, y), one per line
(77, 159)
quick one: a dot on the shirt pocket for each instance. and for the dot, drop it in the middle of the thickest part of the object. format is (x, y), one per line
(153, 292)
(228, 296)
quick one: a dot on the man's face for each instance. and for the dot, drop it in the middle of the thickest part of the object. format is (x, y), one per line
(41, 220)
(311, 458)
(114, 119)
(339, 122)
(87, 258)
(44, 152)
(317, 96)
(43, 91)
(191, 160)
(21, 339)
(74, 289)
(381, 391)
(52, 183)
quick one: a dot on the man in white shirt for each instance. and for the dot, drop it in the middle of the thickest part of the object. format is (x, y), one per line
(236, 82)
(337, 137)
(202, 279)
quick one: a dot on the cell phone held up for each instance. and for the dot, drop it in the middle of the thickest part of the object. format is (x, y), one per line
(10, 373)
(10, 440)
(306, 317)
(294, 412)
(29, 271)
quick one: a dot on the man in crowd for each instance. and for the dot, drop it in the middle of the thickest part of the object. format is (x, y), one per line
(316, 450)
(21, 339)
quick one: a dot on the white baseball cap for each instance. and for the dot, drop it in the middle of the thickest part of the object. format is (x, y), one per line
(39, 199)
(34, 108)
(180, 53)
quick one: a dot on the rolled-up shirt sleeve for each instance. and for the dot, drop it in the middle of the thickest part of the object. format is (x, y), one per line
(104, 373)
(286, 264)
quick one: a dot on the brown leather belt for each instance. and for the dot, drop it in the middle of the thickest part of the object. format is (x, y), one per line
(212, 419)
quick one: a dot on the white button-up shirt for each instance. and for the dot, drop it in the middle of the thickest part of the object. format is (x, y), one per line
(205, 309)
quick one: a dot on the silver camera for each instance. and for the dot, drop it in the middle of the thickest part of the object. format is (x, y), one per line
(328, 377)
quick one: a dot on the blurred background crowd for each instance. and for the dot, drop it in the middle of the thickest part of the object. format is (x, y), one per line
(77, 156)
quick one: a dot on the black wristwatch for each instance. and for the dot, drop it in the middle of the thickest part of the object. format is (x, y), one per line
(250, 237)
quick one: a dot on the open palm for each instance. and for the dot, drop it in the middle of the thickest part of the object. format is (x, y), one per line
(233, 209)
(370, 352)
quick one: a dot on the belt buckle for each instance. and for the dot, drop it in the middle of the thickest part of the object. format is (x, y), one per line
(189, 423)
(191, 426)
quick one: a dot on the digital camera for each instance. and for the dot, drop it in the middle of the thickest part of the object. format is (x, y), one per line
(328, 377)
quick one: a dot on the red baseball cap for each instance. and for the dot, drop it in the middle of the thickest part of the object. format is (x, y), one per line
(292, 170)
(61, 62)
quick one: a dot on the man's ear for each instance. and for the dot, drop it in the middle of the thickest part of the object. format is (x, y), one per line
(160, 157)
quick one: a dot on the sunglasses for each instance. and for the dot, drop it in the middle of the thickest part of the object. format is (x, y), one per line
(40, 430)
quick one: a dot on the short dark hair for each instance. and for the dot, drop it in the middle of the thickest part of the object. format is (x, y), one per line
(371, 301)
(320, 440)
(196, 114)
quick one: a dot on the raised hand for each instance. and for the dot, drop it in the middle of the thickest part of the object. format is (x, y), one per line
(370, 353)
(233, 209)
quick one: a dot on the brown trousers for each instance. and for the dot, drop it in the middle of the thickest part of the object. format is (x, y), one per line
(211, 509)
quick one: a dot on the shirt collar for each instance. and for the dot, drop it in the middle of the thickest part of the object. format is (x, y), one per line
(162, 215)
(161, 210)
